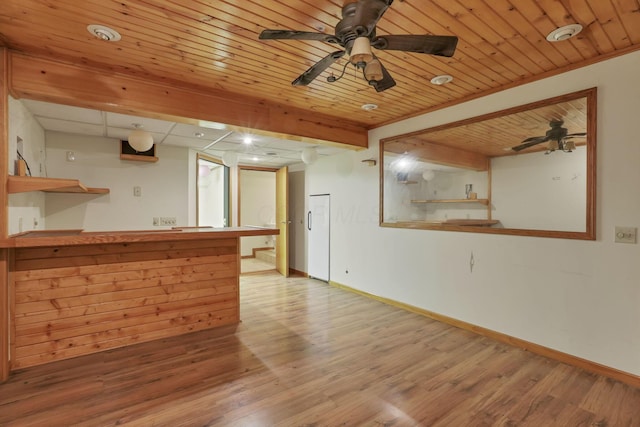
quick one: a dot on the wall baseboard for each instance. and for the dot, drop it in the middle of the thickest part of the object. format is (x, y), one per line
(587, 365)
(297, 273)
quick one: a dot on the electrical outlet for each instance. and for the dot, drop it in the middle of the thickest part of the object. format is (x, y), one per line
(626, 234)
(137, 191)
(168, 220)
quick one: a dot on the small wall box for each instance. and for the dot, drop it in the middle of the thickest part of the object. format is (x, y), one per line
(128, 153)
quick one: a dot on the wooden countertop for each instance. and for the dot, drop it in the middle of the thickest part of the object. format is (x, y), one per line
(40, 238)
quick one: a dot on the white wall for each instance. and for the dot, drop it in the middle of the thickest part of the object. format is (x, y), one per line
(541, 192)
(445, 184)
(165, 185)
(257, 207)
(579, 297)
(26, 210)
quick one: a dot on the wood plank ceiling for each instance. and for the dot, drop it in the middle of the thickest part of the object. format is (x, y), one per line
(213, 45)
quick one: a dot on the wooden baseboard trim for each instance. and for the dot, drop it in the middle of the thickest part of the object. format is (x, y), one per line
(587, 365)
(297, 273)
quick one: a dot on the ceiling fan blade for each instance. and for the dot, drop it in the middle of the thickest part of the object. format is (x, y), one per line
(367, 15)
(317, 68)
(296, 35)
(536, 138)
(535, 141)
(385, 83)
(432, 45)
(576, 135)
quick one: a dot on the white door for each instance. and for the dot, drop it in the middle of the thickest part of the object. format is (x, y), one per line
(318, 221)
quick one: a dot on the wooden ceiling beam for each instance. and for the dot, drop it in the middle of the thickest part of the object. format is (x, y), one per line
(438, 154)
(42, 79)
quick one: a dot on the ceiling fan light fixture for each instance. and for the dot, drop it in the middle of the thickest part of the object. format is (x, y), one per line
(553, 145)
(564, 33)
(104, 33)
(139, 139)
(373, 71)
(568, 146)
(442, 79)
(361, 52)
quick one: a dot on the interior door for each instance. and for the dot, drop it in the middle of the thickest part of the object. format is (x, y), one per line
(282, 221)
(318, 227)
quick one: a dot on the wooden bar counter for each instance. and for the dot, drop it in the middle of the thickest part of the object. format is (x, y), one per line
(73, 293)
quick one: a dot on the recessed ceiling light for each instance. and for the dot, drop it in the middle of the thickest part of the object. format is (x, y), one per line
(442, 79)
(247, 140)
(211, 125)
(369, 107)
(199, 134)
(564, 33)
(104, 33)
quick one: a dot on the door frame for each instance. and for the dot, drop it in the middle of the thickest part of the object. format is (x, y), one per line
(227, 174)
(282, 243)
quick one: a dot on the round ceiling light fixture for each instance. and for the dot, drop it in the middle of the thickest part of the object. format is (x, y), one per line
(309, 155)
(104, 33)
(139, 139)
(564, 33)
(428, 175)
(442, 79)
(369, 107)
(230, 159)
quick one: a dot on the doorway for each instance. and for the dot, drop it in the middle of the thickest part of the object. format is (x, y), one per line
(263, 202)
(212, 200)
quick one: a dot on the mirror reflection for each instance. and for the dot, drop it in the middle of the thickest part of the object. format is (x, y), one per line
(527, 170)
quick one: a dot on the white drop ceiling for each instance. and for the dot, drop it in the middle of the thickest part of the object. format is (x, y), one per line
(263, 151)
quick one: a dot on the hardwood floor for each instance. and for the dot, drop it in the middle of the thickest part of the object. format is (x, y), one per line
(307, 354)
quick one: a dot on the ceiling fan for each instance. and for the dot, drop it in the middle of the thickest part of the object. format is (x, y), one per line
(356, 34)
(557, 137)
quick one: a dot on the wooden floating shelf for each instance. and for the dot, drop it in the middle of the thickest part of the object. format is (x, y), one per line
(481, 201)
(471, 222)
(137, 158)
(23, 184)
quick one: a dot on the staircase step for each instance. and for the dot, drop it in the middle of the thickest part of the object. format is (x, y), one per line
(268, 255)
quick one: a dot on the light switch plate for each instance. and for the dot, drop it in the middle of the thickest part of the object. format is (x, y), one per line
(626, 234)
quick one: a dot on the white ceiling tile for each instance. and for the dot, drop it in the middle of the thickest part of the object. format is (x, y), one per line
(150, 125)
(71, 127)
(64, 112)
(189, 131)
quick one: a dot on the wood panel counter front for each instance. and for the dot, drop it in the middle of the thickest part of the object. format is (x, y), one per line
(74, 293)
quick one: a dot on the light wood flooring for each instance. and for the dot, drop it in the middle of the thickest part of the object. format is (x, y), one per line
(255, 265)
(307, 354)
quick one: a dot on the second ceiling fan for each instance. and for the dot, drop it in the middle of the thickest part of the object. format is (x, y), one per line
(356, 34)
